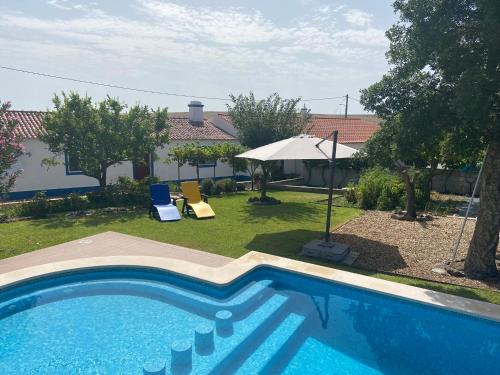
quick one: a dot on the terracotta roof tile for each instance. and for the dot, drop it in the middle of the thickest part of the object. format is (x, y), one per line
(351, 129)
(183, 129)
(30, 125)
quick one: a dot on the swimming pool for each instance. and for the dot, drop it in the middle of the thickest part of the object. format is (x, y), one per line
(126, 320)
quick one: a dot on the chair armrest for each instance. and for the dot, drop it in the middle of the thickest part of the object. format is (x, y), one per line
(205, 198)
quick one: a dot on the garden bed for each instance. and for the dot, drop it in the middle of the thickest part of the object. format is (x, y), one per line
(409, 248)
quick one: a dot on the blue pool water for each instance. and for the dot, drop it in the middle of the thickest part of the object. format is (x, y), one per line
(118, 321)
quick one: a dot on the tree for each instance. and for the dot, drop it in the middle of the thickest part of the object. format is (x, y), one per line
(414, 111)
(97, 136)
(227, 153)
(178, 154)
(10, 149)
(260, 122)
(457, 43)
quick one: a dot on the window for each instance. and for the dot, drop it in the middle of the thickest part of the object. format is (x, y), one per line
(72, 164)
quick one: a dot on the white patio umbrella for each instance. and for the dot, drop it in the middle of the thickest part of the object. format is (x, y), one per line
(301, 147)
(305, 147)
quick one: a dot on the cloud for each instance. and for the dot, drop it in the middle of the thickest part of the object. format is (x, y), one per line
(235, 40)
(357, 17)
(68, 5)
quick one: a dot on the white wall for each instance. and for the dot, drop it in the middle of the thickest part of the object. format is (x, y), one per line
(34, 176)
(224, 125)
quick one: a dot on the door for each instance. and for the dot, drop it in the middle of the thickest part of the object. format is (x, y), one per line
(142, 169)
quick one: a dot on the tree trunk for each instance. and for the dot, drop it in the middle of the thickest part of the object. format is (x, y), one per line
(411, 202)
(102, 179)
(197, 173)
(265, 174)
(178, 174)
(480, 260)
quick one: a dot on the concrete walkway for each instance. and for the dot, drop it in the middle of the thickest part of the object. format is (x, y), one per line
(111, 244)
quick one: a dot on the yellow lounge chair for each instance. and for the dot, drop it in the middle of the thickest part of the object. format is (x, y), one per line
(193, 200)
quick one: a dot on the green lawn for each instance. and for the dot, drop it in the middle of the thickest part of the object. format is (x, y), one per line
(237, 229)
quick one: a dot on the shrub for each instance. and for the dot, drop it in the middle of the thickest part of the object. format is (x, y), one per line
(38, 207)
(350, 194)
(126, 192)
(75, 202)
(208, 186)
(220, 187)
(240, 186)
(4, 217)
(380, 189)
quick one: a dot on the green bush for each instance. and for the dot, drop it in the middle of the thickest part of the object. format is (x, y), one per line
(380, 189)
(4, 217)
(350, 194)
(208, 186)
(38, 207)
(126, 192)
(75, 202)
(220, 187)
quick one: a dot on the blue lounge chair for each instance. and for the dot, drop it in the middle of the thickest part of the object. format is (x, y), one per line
(162, 206)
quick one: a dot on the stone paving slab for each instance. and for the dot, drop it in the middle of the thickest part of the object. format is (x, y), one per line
(111, 244)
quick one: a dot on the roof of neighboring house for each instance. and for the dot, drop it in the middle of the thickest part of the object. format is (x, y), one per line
(29, 126)
(351, 129)
(29, 123)
(183, 129)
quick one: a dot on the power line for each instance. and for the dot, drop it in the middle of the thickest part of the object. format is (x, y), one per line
(139, 89)
(328, 98)
(110, 85)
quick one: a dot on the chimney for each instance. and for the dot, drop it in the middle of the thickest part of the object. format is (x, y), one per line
(195, 111)
(304, 111)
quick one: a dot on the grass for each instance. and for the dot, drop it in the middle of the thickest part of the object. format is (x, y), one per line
(238, 228)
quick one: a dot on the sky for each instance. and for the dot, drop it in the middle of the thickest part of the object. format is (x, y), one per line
(297, 48)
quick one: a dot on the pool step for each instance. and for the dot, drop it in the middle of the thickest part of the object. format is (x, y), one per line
(228, 353)
(263, 357)
(242, 303)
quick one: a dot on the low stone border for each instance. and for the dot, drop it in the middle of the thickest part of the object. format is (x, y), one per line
(227, 274)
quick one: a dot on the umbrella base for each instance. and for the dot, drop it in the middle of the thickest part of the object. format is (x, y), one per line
(332, 251)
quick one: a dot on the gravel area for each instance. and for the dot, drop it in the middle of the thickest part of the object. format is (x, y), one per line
(408, 248)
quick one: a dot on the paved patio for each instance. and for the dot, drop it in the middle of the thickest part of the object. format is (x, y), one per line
(111, 244)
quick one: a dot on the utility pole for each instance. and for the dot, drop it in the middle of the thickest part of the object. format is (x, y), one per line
(346, 104)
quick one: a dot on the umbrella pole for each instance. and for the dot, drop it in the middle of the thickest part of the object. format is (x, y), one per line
(330, 187)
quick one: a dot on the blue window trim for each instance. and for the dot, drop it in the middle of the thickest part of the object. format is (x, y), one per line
(207, 165)
(66, 164)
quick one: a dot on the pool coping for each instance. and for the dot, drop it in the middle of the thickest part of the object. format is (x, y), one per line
(237, 268)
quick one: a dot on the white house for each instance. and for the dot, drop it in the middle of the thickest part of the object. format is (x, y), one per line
(65, 177)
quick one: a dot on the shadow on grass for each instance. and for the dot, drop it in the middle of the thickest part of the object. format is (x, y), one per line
(94, 220)
(286, 211)
(285, 244)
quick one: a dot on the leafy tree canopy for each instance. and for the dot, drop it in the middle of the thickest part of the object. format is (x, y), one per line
(100, 135)
(444, 90)
(260, 122)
